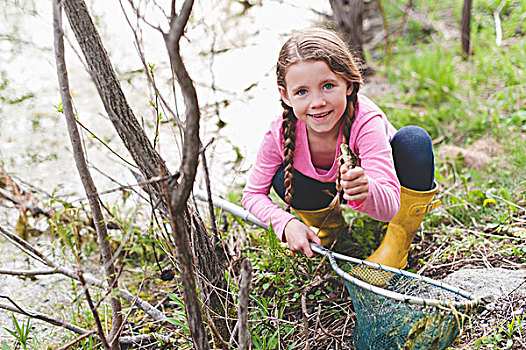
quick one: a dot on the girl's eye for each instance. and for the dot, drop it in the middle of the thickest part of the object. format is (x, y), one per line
(328, 86)
(301, 92)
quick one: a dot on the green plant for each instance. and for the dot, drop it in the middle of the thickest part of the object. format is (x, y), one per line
(21, 332)
(504, 337)
(510, 328)
(272, 329)
(178, 316)
(88, 344)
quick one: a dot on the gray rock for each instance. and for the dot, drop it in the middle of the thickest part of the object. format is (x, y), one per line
(489, 284)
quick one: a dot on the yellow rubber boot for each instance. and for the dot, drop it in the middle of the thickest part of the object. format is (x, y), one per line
(401, 230)
(328, 223)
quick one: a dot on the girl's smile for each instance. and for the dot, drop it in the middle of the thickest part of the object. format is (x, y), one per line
(317, 95)
(319, 116)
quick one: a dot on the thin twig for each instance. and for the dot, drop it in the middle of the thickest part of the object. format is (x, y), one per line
(125, 318)
(509, 203)
(104, 144)
(408, 6)
(433, 258)
(516, 288)
(24, 204)
(79, 339)
(138, 339)
(27, 273)
(24, 246)
(45, 318)
(150, 78)
(141, 184)
(218, 338)
(215, 231)
(94, 311)
(387, 49)
(242, 311)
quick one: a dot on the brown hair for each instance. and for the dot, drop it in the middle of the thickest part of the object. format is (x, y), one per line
(315, 44)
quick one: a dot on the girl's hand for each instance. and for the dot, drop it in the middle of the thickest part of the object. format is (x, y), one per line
(355, 183)
(299, 236)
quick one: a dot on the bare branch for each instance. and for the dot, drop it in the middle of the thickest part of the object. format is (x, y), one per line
(191, 136)
(34, 210)
(44, 317)
(387, 49)
(209, 193)
(24, 246)
(27, 273)
(150, 78)
(139, 339)
(465, 28)
(73, 342)
(85, 175)
(56, 322)
(131, 309)
(405, 16)
(145, 306)
(93, 310)
(105, 144)
(139, 15)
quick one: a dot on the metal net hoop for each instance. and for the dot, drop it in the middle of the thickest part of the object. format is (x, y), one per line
(397, 309)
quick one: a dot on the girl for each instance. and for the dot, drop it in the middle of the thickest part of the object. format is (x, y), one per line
(393, 181)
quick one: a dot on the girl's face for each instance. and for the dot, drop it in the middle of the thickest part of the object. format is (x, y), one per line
(317, 95)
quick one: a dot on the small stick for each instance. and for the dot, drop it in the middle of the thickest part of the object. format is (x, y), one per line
(43, 317)
(305, 319)
(242, 311)
(73, 342)
(215, 231)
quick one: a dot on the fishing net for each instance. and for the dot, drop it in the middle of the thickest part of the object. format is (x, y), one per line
(397, 309)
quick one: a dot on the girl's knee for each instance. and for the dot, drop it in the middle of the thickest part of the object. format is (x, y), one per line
(412, 131)
(412, 137)
(413, 157)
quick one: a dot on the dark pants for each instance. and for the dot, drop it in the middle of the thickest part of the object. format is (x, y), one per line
(413, 160)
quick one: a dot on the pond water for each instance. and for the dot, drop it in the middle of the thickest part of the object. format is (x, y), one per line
(34, 144)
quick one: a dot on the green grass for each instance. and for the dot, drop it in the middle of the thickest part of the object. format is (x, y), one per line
(459, 95)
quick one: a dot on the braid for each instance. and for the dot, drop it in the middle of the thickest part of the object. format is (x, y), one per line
(350, 115)
(347, 124)
(289, 135)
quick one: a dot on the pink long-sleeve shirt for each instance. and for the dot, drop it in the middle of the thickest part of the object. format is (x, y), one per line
(370, 137)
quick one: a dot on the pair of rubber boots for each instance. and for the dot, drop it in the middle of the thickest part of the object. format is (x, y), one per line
(331, 227)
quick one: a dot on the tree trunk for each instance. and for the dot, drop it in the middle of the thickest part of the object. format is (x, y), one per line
(149, 162)
(466, 28)
(348, 15)
(115, 103)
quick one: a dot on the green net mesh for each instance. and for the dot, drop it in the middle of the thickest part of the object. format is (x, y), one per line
(386, 323)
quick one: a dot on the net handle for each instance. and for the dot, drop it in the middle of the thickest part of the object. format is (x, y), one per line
(390, 294)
